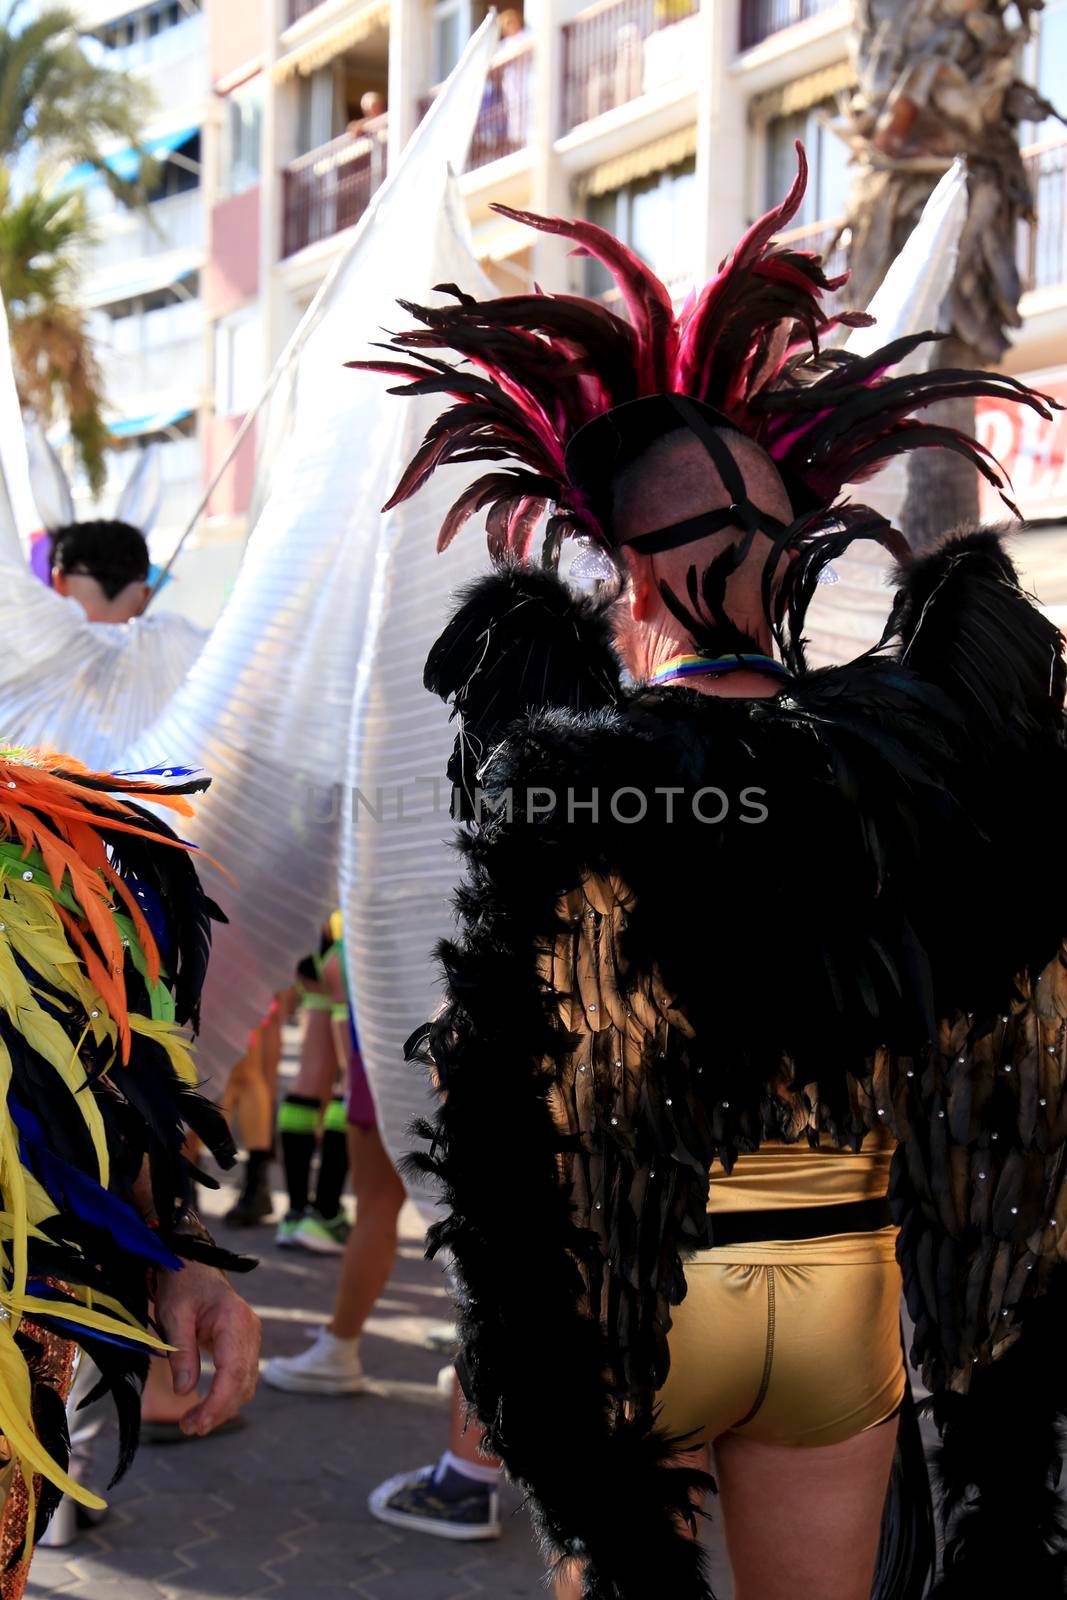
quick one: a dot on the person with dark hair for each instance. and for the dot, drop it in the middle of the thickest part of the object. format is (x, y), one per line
(67, 682)
(104, 566)
(757, 1010)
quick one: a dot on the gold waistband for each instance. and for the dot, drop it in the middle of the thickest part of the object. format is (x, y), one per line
(835, 1250)
(779, 1177)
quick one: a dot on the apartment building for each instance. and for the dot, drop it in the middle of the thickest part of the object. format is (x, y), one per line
(670, 121)
(141, 275)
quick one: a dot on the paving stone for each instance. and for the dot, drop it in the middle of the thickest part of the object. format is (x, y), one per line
(278, 1510)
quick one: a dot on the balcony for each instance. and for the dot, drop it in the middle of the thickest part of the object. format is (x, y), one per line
(503, 126)
(173, 61)
(330, 188)
(1043, 243)
(762, 18)
(151, 356)
(122, 237)
(621, 49)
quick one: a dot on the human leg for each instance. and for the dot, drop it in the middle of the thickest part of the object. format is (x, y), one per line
(457, 1498)
(250, 1094)
(331, 1364)
(300, 1112)
(825, 1505)
(792, 1360)
(371, 1249)
(333, 1164)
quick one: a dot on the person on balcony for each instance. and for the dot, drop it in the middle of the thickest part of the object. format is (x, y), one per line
(757, 1011)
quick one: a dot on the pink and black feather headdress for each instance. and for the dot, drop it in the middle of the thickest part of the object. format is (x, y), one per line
(562, 391)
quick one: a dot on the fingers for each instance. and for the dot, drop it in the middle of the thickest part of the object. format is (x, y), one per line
(234, 1339)
(178, 1324)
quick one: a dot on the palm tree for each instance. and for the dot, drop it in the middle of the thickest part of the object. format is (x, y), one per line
(59, 107)
(55, 365)
(59, 103)
(937, 80)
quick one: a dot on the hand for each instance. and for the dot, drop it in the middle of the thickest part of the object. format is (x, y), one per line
(197, 1309)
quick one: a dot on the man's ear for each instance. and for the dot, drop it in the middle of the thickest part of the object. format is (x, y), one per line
(641, 587)
(59, 581)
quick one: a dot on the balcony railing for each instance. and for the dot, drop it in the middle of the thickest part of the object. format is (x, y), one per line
(761, 18)
(330, 188)
(1043, 242)
(620, 49)
(503, 125)
(176, 223)
(135, 380)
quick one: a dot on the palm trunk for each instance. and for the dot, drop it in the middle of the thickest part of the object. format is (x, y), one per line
(935, 81)
(942, 486)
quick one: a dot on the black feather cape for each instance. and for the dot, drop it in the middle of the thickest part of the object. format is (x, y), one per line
(860, 889)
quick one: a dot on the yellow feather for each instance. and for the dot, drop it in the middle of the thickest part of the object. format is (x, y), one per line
(46, 1036)
(17, 1428)
(168, 1034)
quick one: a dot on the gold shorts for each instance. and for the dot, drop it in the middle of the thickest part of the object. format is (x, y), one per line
(793, 1342)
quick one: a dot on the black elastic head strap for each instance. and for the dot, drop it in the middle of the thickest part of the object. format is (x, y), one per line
(740, 513)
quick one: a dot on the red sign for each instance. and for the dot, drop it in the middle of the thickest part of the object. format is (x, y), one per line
(1033, 451)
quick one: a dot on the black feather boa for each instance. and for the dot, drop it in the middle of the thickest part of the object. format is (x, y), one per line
(876, 920)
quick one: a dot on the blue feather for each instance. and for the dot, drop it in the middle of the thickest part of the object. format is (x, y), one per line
(160, 771)
(68, 1327)
(73, 1191)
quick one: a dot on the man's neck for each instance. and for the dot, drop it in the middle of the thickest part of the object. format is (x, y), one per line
(659, 649)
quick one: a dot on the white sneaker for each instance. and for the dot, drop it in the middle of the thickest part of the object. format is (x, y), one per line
(327, 1366)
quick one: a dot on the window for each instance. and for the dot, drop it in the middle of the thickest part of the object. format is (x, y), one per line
(137, 27)
(179, 171)
(453, 23)
(451, 26)
(322, 111)
(655, 216)
(244, 110)
(238, 362)
(828, 157)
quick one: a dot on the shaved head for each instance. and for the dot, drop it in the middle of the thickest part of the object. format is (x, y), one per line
(676, 479)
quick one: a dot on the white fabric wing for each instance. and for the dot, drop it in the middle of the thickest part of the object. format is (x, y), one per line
(268, 708)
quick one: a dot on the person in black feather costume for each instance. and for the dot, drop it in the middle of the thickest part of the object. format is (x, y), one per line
(757, 1009)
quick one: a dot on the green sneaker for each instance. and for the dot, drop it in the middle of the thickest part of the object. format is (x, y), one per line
(285, 1234)
(321, 1235)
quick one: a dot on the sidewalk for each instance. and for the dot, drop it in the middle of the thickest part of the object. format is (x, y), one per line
(279, 1509)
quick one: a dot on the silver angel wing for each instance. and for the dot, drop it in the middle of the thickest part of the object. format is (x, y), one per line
(51, 490)
(268, 707)
(66, 683)
(849, 618)
(140, 499)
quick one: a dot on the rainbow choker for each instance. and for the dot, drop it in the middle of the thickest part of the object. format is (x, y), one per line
(679, 667)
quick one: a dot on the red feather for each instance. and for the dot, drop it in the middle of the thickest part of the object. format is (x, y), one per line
(535, 368)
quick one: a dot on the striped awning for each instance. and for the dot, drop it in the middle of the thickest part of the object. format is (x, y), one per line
(800, 94)
(669, 151)
(323, 47)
